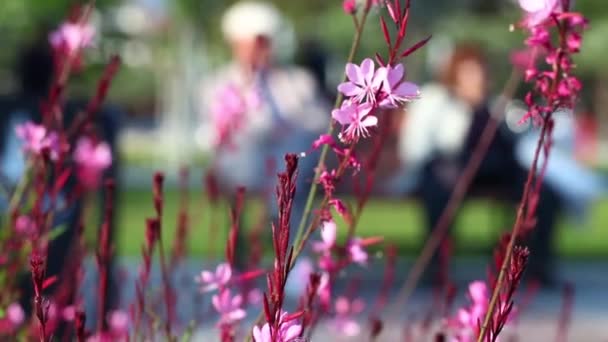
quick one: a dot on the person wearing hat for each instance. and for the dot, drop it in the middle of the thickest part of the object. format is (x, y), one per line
(260, 106)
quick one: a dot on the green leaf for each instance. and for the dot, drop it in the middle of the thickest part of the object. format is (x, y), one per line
(55, 232)
(187, 336)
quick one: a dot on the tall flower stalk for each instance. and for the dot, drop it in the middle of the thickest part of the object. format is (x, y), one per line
(367, 91)
(554, 88)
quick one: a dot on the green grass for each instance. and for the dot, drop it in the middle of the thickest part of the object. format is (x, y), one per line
(399, 222)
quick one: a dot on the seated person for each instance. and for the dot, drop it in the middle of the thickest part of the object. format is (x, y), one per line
(256, 109)
(437, 139)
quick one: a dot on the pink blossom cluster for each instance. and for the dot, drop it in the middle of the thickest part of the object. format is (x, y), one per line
(354, 249)
(37, 139)
(289, 330)
(368, 89)
(228, 110)
(554, 85)
(346, 310)
(351, 6)
(91, 158)
(466, 322)
(13, 318)
(71, 37)
(229, 307)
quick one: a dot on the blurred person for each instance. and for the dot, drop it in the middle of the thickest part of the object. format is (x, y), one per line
(576, 183)
(438, 136)
(35, 74)
(260, 106)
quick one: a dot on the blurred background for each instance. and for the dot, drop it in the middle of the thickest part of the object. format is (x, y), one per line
(169, 46)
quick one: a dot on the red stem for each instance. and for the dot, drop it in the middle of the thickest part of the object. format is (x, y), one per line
(460, 190)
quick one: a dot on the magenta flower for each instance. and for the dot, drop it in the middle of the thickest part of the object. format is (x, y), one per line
(210, 281)
(15, 314)
(228, 307)
(396, 91)
(328, 237)
(91, 160)
(323, 139)
(344, 322)
(537, 10)
(69, 313)
(118, 321)
(288, 331)
(70, 38)
(466, 322)
(36, 139)
(349, 6)
(24, 225)
(363, 82)
(357, 117)
(356, 251)
(324, 290)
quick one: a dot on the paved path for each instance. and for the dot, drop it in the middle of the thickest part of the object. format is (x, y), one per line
(538, 322)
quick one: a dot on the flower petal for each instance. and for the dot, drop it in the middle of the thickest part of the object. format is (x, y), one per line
(395, 75)
(353, 73)
(349, 89)
(367, 70)
(328, 233)
(407, 90)
(292, 332)
(369, 121)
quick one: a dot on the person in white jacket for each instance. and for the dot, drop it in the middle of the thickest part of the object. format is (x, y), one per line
(257, 108)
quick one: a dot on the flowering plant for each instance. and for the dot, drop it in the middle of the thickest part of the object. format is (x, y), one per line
(368, 93)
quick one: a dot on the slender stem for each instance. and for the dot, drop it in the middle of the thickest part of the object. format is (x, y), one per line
(324, 151)
(20, 190)
(460, 190)
(301, 237)
(545, 131)
(515, 232)
(299, 247)
(166, 287)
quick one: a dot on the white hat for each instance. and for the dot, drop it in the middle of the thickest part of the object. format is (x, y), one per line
(249, 19)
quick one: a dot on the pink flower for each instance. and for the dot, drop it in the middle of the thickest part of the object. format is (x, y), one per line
(15, 314)
(478, 292)
(324, 139)
(24, 225)
(36, 139)
(339, 207)
(211, 281)
(228, 110)
(349, 6)
(255, 297)
(324, 290)
(356, 251)
(288, 331)
(523, 59)
(327, 180)
(328, 236)
(70, 38)
(69, 313)
(357, 117)
(537, 10)
(363, 82)
(395, 90)
(344, 321)
(119, 322)
(228, 307)
(467, 319)
(91, 160)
